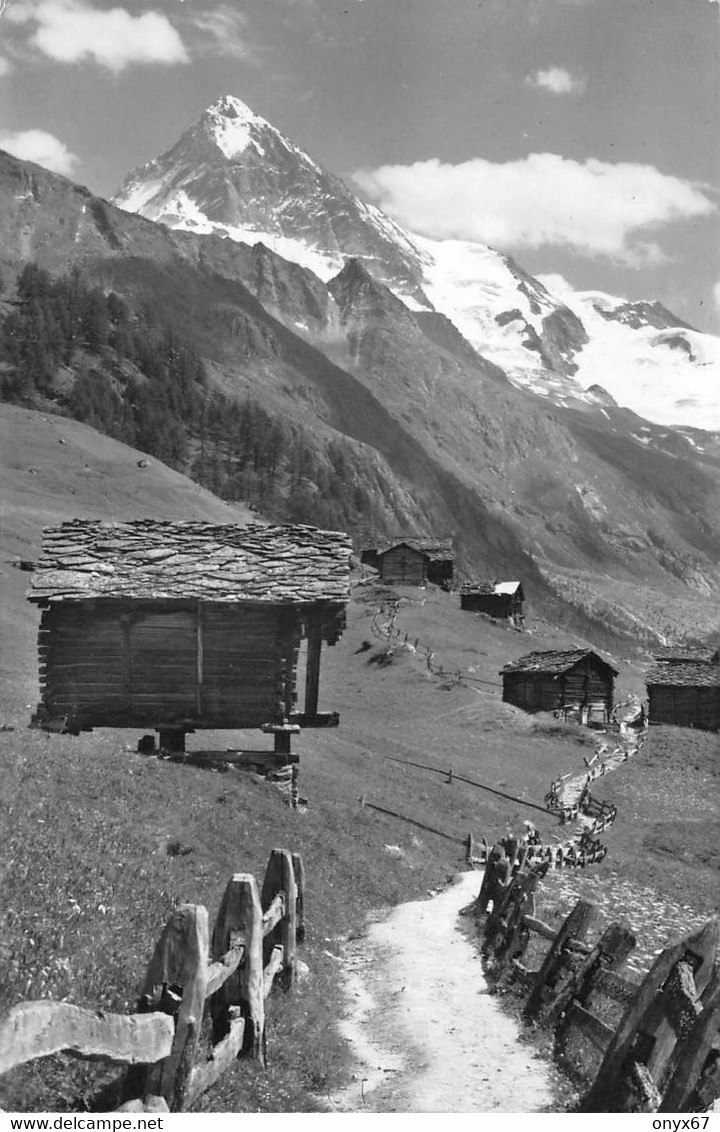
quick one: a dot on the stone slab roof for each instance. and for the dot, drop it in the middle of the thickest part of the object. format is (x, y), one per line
(697, 653)
(687, 674)
(150, 559)
(437, 550)
(554, 662)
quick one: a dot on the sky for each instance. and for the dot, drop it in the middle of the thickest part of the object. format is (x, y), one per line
(580, 136)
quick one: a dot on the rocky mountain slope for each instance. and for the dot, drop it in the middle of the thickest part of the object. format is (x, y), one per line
(583, 500)
(235, 174)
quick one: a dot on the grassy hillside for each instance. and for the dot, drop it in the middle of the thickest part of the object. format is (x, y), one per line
(99, 843)
(52, 469)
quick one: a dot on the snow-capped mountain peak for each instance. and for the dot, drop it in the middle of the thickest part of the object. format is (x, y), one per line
(235, 174)
(234, 126)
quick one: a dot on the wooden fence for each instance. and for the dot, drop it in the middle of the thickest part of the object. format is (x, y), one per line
(634, 1047)
(389, 632)
(202, 1003)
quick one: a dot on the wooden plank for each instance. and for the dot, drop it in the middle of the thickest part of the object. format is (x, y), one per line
(224, 1053)
(36, 1029)
(543, 929)
(611, 950)
(593, 1028)
(299, 870)
(179, 960)
(320, 719)
(267, 759)
(505, 936)
(239, 920)
(577, 947)
(612, 1091)
(221, 970)
(674, 1012)
(79, 692)
(694, 1084)
(274, 914)
(574, 927)
(614, 986)
(280, 877)
(522, 974)
(312, 670)
(274, 964)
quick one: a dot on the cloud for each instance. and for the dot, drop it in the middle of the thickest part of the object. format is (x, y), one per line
(222, 30)
(41, 147)
(71, 31)
(716, 288)
(593, 207)
(556, 80)
(6, 66)
(556, 283)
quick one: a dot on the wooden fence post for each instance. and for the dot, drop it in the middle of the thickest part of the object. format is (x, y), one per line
(574, 927)
(280, 877)
(176, 981)
(612, 949)
(506, 936)
(641, 1048)
(695, 1082)
(239, 920)
(299, 871)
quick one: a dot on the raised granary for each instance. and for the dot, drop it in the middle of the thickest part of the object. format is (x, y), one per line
(502, 600)
(573, 682)
(684, 688)
(182, 626)
(414, 562)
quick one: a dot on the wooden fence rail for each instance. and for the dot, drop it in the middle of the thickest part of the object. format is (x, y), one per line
(647, 1047)
(202, 1003)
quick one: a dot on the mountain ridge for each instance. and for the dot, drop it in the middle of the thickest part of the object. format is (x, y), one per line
(433, 434)
(234, 173)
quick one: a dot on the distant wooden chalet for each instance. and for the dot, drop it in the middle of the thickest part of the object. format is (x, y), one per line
(684, 688)
(503, 600)
(573, 682)
(183, 626)
(413, 562)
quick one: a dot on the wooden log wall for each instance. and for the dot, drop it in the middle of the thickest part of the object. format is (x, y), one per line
(244, 652)
(168, 664)
(585, 686)
(403, 566)
(440, 571)
(535, 693)
(192, 976)
(501, 606)
(685, 706)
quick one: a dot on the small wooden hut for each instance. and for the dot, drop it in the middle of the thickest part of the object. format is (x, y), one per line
(573, 682)
(503, 600)
(413, 562)
(684, 688)
(183, 626)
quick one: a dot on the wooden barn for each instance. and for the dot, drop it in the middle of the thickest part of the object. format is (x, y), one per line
(573, 682)
(683, 688)
(413, 562)
(184, 626)
(503, 600)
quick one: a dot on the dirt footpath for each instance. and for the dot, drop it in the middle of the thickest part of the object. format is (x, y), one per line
(427, 1034)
